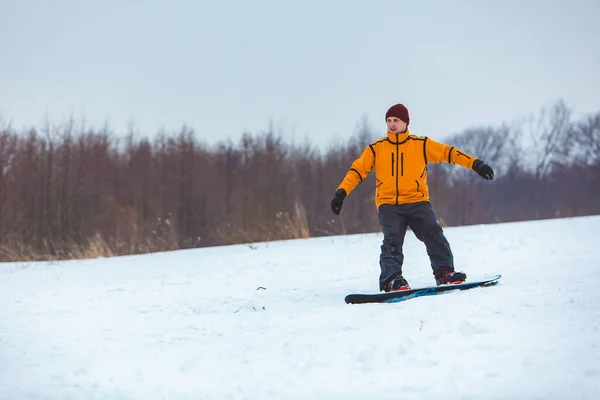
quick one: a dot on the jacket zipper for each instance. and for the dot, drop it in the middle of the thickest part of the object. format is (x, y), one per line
(392, 164)
(397, 189)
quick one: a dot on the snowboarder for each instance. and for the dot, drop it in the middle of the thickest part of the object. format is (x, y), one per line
(402, 196)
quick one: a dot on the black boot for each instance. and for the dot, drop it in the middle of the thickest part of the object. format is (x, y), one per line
(451, 278)
(397, 283)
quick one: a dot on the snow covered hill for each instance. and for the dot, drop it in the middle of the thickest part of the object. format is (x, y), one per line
(269, 321)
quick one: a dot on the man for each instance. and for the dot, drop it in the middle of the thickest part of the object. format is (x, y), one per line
(402, 196)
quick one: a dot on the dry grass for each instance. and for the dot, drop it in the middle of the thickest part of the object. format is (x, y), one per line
(96, 247)
(293, 226)
(285, 227)
(14, 252)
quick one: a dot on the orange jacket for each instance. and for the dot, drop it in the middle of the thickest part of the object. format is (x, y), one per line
(400, 162)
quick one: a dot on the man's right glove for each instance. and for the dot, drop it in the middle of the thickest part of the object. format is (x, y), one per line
(338, 201)
(484, 170)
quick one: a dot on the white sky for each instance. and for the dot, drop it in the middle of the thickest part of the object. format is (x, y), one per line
(313, 69)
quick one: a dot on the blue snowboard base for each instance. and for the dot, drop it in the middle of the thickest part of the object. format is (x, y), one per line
(394, 297)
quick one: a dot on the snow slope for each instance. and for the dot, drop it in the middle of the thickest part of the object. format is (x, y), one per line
(192, 324)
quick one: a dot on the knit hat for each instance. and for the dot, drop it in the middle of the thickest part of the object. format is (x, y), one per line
(398, 111)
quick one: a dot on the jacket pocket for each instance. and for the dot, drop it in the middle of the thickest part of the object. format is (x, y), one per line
(401, 164)
(419, 188)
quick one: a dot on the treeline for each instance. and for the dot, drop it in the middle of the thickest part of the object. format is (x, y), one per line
(70, 191)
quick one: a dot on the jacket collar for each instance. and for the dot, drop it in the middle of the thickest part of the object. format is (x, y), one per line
(398, 137)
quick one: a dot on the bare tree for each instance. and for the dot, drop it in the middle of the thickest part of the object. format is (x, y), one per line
(586, 135)
(495, 146)
(549, 133)
(70, 190)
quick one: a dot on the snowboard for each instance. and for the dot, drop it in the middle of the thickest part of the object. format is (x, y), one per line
(394, 297)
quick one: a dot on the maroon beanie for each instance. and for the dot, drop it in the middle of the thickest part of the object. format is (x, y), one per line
(398, 111)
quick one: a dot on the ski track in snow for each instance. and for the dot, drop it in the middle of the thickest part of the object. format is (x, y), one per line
(194, 324)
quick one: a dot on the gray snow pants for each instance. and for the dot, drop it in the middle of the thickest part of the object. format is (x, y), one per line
(394, 220)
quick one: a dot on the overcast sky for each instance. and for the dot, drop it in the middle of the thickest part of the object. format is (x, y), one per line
(314, 69)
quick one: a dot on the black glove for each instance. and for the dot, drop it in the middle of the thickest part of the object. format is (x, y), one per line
(338, 200)
(484, 170)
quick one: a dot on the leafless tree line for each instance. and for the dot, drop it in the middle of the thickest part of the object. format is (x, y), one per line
(70, 191)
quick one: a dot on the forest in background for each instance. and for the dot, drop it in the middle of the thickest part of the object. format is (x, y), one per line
(72, 191)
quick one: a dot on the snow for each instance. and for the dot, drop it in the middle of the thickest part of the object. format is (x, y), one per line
(197, 324)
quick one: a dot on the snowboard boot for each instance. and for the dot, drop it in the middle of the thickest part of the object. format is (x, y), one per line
(396, 284)
(451, 278)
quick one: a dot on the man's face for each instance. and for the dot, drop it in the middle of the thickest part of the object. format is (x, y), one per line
(396, 125)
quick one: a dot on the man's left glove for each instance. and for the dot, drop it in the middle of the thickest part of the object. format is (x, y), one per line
(338, 201)
(484, 170)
